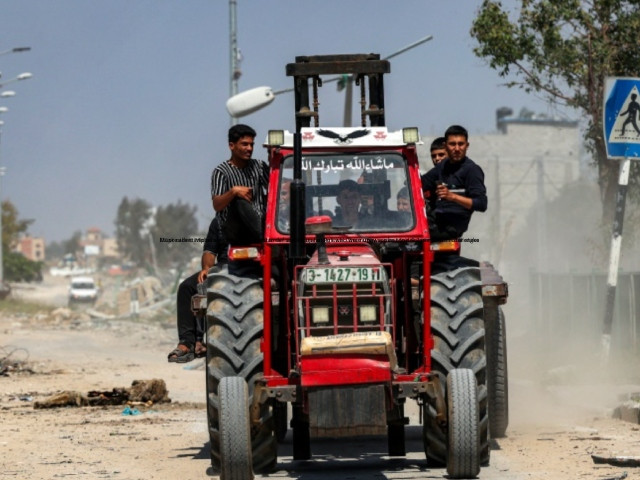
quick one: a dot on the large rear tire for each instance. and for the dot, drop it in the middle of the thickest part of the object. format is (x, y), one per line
(235, 437)
(463, 460)
(234, 332)
(498, 380)
(457, 326)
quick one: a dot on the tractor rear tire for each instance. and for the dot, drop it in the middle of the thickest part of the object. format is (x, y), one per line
(463, 460)
(498, 381)
(457, 326)
(235, 437)
(234, 333)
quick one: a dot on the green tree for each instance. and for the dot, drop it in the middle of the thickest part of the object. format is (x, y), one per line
(16, 267)
(72, 244)
(12, 226)
(175, 221)
(131, 229)
(564, 50)
(57, 250)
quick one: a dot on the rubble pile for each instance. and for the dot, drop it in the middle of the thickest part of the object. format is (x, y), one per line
(13, 359)
(141, 392)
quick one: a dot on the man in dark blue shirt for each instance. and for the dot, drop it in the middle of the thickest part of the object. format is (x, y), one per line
(454, 188)
(214, 252)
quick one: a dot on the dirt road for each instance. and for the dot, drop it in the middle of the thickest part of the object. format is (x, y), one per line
(554, 430)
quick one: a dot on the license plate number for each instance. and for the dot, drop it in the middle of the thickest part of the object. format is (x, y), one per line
(343, 274)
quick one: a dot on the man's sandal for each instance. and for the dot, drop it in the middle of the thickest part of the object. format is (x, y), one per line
(181, 354)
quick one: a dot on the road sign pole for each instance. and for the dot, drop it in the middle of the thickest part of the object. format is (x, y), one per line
(614, 257)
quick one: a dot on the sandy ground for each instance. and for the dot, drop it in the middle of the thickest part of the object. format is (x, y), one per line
(555, 425)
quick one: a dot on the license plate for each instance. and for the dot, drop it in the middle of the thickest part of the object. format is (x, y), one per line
(343, 274)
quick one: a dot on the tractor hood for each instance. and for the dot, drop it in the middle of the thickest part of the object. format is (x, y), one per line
(347, 255)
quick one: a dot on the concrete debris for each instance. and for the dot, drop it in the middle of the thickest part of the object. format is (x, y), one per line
(62, 312)
(63, 399)
(154, 390)
(10, 363)
(117, 396)
(96, 314)
(617, 461)
(622, 476)
(141, 392)
(142, 291)
(629, 411)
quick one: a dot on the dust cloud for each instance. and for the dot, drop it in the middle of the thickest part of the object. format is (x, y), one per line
(556, 270)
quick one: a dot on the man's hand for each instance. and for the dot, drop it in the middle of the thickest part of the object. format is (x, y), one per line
(243, 192)
(202, 276)
(443, 193)
(208, 261)
(220, 202)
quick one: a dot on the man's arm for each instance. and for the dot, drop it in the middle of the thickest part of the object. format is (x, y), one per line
(430, 179)
(220, 202)
(443, 192)
(222, 192)
(208, 260)
(475, 197)
(210, 249)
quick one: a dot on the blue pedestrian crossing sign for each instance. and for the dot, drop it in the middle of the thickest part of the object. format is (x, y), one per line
(622, 117)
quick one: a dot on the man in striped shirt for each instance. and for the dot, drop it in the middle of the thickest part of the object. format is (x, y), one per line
(238, 189)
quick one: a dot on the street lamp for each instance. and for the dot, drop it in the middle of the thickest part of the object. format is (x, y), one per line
(22, 76)
(16, 50)
(250, 101)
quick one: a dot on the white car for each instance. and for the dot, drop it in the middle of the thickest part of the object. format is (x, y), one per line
(83, 289)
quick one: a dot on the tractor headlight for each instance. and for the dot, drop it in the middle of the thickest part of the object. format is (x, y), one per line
(276, 138)
(368, 313)
(320, 315)
(410, 135)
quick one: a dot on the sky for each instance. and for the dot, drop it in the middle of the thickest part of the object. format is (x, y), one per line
(128, 97)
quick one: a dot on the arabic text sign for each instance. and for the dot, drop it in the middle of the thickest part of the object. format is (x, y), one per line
(353, 163)
(622, 117)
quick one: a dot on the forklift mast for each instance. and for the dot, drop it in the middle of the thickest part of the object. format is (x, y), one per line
(360, 66)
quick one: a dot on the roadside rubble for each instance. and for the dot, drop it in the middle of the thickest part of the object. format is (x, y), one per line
(13, 359)
(629, 409)
(141, 392)
(617, 461)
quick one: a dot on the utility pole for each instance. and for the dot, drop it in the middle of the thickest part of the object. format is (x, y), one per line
(234, 68)
(541, 218)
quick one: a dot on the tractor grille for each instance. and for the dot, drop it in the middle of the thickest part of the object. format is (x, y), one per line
(345, 307)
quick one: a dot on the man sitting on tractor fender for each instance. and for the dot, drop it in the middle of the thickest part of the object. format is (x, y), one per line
(190, 345)
(238, 189)
(454, 188)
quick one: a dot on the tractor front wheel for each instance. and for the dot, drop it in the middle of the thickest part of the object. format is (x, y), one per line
(234, 332)
(463, 460)
(235, 438)
(457, 325)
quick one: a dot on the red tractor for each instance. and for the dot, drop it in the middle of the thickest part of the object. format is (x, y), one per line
(329, 320)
